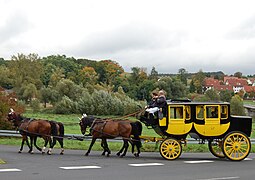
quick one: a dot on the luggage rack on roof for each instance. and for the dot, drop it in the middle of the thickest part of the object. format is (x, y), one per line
(179, 100)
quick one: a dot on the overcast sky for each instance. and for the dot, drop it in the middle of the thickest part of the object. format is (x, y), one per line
(212, 35)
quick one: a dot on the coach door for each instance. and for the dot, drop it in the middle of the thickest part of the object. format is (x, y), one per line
(208, 120)
(179, 119)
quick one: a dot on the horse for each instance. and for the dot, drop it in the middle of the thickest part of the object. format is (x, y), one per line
(110, 129)
(34, 128)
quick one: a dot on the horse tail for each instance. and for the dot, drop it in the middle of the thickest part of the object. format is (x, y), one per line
(54, 130)
(137, 131)
(61, 129)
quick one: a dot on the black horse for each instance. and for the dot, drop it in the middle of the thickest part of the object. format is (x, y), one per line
(109, 129)
(34, 128)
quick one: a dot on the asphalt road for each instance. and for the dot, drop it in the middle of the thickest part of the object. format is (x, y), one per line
(73, 165)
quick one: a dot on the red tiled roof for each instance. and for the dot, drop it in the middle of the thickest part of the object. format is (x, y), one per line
(211, 82)
(223, 87)
(235, 81)
(249, 88)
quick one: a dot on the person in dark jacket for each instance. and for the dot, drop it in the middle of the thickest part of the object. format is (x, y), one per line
(156, 105)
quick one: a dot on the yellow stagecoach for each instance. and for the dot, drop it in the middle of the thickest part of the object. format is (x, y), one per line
(227, 135)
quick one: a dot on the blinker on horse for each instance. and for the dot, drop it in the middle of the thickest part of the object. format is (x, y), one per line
(110, 129)
(34, 128)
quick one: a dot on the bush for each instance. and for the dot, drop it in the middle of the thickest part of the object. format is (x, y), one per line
(35, 105)
(236, 105)
(65, 106)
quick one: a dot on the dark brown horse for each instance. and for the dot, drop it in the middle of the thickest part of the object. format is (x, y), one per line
(34, 128)
(110, 129)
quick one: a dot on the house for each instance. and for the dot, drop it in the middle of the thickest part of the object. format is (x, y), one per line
(234, 84)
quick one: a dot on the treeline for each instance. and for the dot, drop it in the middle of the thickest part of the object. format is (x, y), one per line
(72, 85)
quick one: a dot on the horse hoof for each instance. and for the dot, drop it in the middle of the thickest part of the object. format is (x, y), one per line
(43, 153)
(118, 154)
(61, 153)
(86, 154)
(49, 153)
(32, 152)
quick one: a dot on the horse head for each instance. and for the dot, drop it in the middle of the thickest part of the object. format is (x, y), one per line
(85, 121)
(14, 118)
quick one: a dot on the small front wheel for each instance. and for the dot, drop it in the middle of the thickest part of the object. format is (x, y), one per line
(236, 146)
(170, 149)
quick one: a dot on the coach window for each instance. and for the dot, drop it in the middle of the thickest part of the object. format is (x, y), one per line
(188, 112)
(224, 112)
(176, 112)
(212, 111)
(200, 112)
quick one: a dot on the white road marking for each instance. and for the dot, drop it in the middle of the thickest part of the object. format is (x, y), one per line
(197, 162)
(248, 159)
(146, 164)
(10, 170)
(80, 167)
(221, 178)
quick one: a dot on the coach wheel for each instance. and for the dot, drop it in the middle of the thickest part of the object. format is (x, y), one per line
(170, 149)
(236, 146)
(215, 147)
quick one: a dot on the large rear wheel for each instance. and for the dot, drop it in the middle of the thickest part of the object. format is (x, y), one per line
(170, 149)
(236, 146)
(215, 147)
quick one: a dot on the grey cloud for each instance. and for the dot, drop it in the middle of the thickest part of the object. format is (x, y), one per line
(127, 39)
(14, 26)
(246, 30)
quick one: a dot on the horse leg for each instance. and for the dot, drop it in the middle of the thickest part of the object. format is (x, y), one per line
(121, 150)
(27, 142)
(24, 138)
(126, 148)
(49, 152)
(137, 143)
(45, 145)
(106, 148)
(39, 149)
(60, 141)
(103, 146)
(91, 145)
(31, 143)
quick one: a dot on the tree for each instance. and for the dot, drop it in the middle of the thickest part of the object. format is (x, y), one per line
(198, 80)
(111, 70)
(236, 105)
(28, 92)
(68, 65)
(238, 74)
(212, 95)
(5, 80)
(48, 95)
(182, 75)
(88, 75)
(56, 76)
(68, 88)
(154, 74)
(192, 87)
(226, 95)
(48, 71)
(25, 70)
